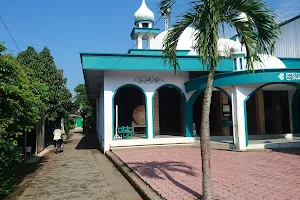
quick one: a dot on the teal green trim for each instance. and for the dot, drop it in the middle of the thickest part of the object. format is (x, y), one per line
(136, 30)
(143, 20)
(113, 106)
(296, 112)
(155, 52)
(239, 55)
(95, 61)
(184, 104)
(248, 97)
(242, 77)
(291, 63)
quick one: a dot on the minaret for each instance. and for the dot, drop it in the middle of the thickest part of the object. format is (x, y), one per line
(238, 56)
(143, 20)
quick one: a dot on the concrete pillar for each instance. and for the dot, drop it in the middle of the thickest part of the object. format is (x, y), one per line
(108, 123)
(276, 113)
(139, 41)
(238, 114)
(260, 112)
(150, 41)
(149, 111)
(156, 114)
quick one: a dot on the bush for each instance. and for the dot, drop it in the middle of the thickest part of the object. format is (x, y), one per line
(10, 157)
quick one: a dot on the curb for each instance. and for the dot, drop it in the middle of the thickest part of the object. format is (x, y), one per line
(138, 184)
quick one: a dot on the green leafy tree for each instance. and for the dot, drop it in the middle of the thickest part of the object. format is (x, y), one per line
(258, 32)
(22, 97)
(43, 69)
(82, 103)
(59, 103)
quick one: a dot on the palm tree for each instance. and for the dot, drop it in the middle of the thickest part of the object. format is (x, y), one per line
(257, 29)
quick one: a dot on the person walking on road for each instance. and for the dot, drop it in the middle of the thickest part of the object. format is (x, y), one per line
(58, 139)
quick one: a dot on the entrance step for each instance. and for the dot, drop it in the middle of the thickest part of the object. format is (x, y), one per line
(216, 145)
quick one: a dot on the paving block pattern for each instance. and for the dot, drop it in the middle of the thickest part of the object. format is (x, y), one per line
(175, 172)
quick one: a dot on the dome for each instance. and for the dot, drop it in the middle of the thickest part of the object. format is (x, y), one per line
(225, 47)
(185, 42)
(242, 17)
(269, 62)
(143, 14)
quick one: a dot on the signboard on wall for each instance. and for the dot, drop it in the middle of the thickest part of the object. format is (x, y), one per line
(149, 79)
(289, 76)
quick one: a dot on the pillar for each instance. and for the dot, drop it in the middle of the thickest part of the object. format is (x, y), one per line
(276, 112)
(238, 97)
(139, 41)
(149, 111)
(260, 112)
(156, 114)
(108, 120)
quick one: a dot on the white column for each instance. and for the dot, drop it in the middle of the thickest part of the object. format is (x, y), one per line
(139, 41)
(238, 115)
(291, 95)
(150, 41)
(149, 111)
(108, 113)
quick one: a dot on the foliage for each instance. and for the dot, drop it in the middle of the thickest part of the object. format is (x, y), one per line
(255, 24)
(58, 99)
(68, 124)
(10, 157)
(21, 97)
(82, 103)
(258, 33)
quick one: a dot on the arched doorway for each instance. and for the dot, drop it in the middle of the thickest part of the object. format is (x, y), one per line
(220, 116)
(130, 112)
(271, 111)
(168, 111)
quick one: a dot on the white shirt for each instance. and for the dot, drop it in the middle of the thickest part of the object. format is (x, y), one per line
(57, 134)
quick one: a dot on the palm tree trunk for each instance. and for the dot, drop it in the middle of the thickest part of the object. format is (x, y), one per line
(207, 187)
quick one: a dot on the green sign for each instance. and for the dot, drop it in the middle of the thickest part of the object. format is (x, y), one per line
(227, 123)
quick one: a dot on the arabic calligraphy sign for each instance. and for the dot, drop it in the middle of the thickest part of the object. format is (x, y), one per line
(149, 79)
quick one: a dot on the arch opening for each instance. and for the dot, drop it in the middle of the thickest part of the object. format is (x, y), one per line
(272, 113)
(130, 121)
(220, 116)
(168, 112)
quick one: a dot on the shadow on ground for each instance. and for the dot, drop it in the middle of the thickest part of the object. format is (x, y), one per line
(25, 175)
(294, 151)
(154, 169)
(89, 141)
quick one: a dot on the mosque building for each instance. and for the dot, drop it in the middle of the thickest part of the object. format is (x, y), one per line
(140, 101)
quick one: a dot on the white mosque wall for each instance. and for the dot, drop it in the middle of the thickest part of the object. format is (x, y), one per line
(113, 80)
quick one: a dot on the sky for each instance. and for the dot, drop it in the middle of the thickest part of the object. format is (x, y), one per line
(68, 27)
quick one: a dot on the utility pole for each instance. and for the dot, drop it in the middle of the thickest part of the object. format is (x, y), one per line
(166, 12)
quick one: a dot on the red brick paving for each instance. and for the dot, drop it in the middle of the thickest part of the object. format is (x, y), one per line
(175, 172)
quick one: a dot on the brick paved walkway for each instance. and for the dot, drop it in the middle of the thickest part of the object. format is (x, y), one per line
(175, 172)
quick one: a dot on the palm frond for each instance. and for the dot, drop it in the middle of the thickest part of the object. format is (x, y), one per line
(259, 33)
(171, 40)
